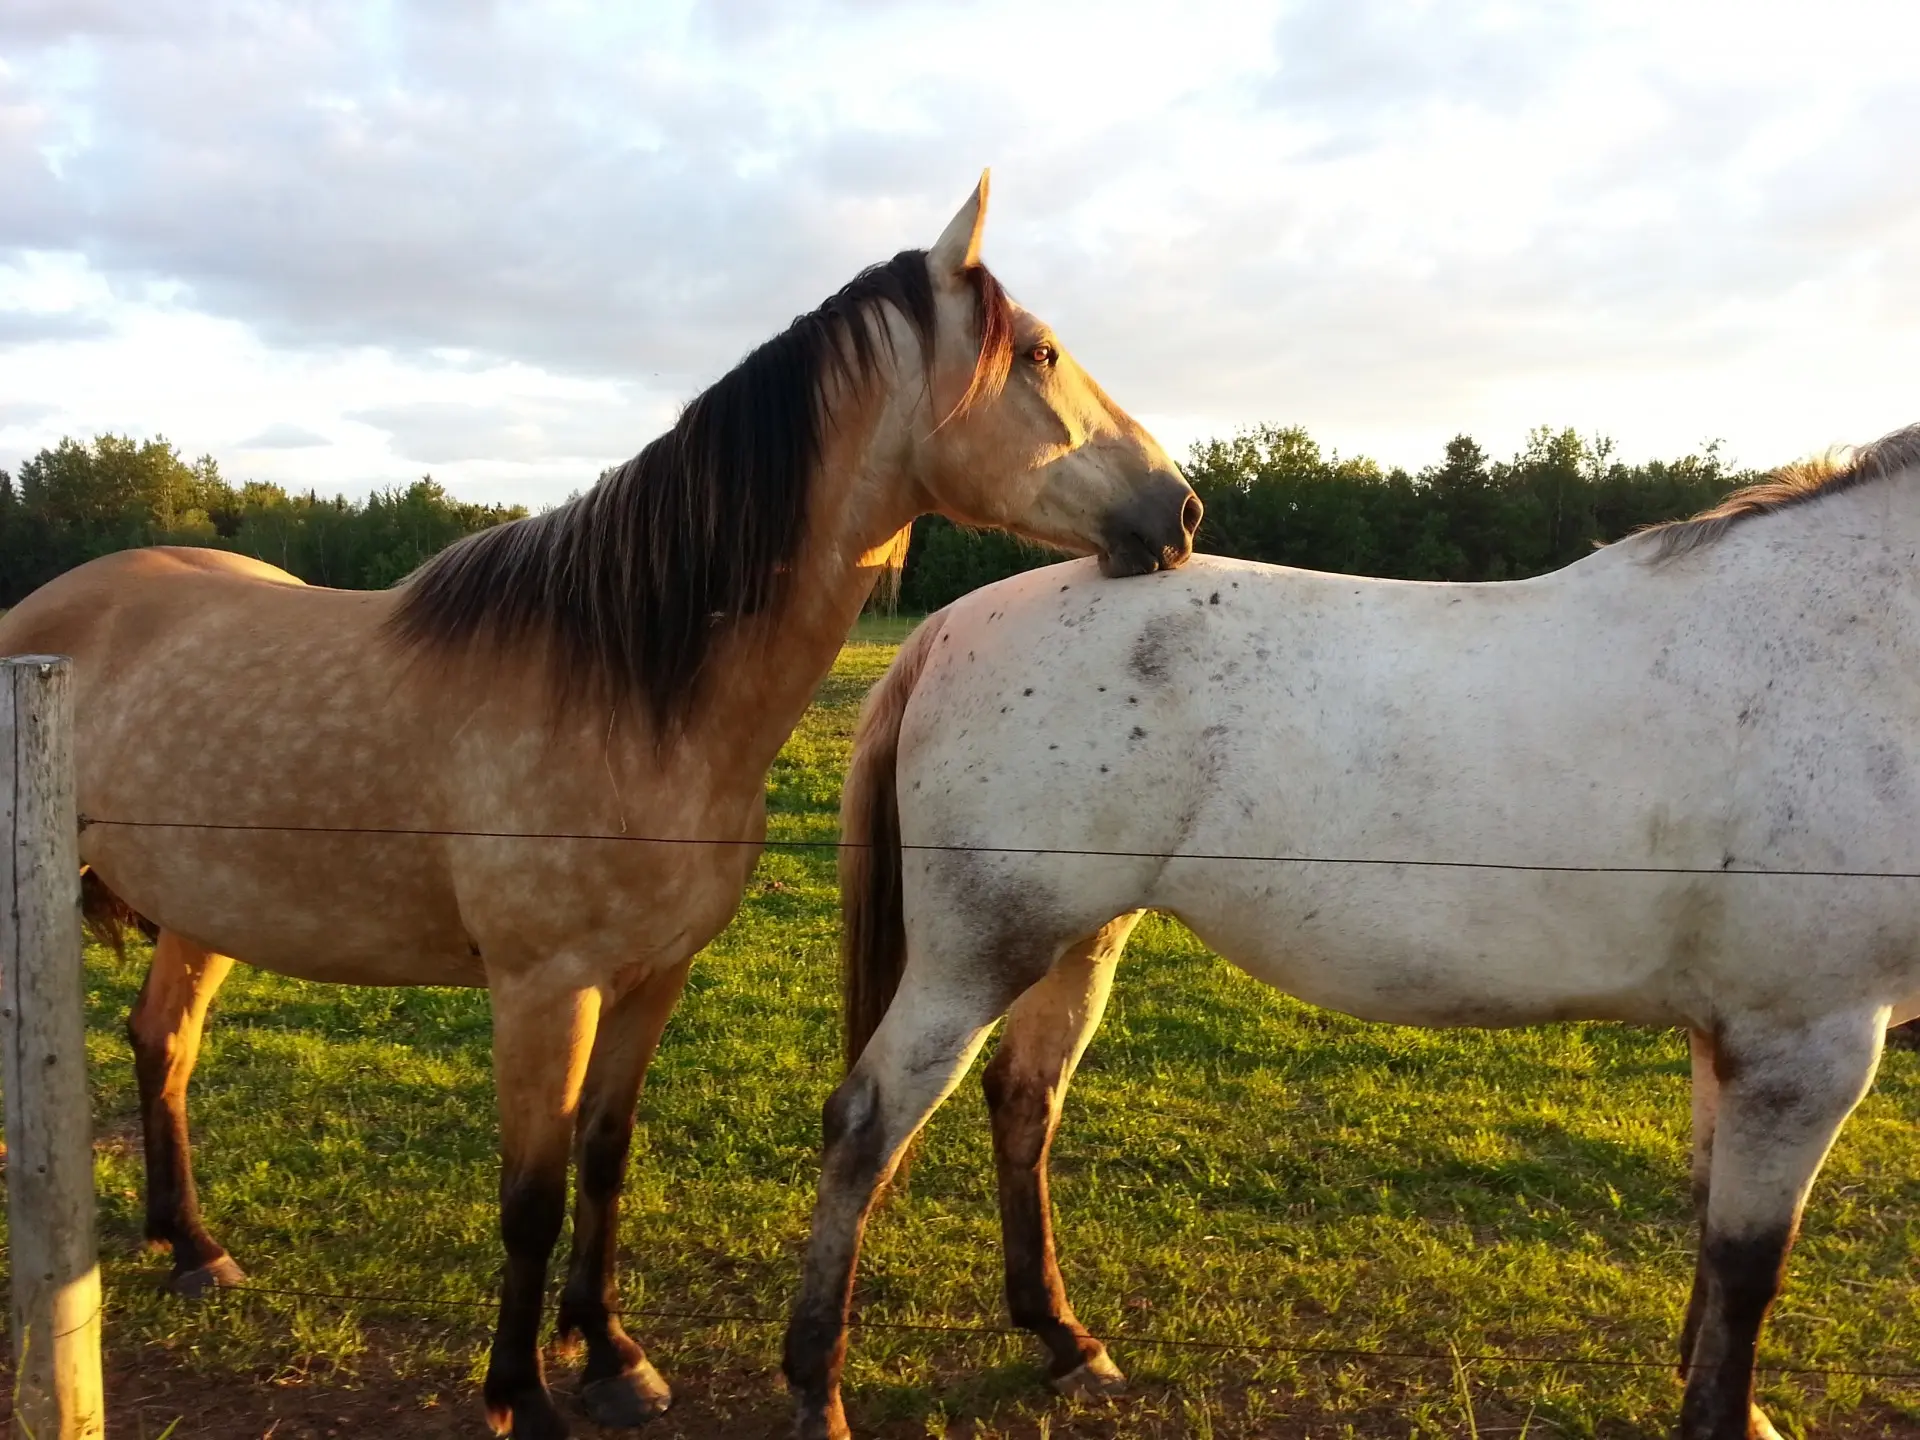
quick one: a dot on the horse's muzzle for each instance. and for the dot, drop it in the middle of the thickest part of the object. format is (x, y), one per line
(1153, 529)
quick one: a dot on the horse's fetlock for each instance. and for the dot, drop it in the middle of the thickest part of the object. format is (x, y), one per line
(584, 1311)
(1031, 1313)
(812, 1354)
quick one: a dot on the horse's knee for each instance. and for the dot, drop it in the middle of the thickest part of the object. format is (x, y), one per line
(154, 1030)
(1021, 1106)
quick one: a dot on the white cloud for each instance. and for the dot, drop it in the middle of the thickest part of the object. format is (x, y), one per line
(282, 436)
(518, 428)
(504, 240)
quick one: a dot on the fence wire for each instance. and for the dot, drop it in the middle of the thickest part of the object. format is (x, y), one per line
(1146, 1341)
(738, 842)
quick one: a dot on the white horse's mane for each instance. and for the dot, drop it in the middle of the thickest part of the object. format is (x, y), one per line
(1792, 485)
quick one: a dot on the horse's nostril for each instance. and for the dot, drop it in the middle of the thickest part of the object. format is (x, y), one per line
(1190, 514)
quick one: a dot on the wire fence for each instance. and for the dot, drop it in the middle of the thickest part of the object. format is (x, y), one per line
(741, 842)
(1874, 1370)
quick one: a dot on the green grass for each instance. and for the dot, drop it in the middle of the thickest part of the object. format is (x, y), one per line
(879, 627)
(1235, 1167)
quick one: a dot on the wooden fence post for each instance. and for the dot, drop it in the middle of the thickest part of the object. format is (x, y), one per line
(55, 1265)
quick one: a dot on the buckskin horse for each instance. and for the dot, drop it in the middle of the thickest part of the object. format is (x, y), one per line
(626, 665)
(1676, 783)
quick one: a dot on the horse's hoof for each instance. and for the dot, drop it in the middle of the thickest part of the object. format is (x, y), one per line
(219, 1273)
(1096, 1378)
(528, 1416)
(627, 1401)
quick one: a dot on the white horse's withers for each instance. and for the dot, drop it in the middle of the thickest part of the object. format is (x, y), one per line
(1675, 783)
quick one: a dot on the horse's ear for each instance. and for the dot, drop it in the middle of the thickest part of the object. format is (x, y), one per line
(958, 248)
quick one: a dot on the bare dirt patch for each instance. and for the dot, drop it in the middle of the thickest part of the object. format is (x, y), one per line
(148, 1393)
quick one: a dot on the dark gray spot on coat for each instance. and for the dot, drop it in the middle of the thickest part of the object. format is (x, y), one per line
(1157, 646)
(1016, 919)
(1149, 657)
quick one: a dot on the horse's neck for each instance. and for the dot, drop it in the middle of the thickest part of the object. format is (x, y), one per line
(1887, 508)
(763, 675)
(1850, 526)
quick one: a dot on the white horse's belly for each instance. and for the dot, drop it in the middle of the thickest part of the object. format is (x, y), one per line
(1440, 947)
(1449, 948)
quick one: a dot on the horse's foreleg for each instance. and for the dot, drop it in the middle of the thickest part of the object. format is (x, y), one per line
(165, 1029)
(931, 1033)
(619, 1387)
(1783, 1096)
(1026, 1083)
(1706, 1102)
(541, 1042)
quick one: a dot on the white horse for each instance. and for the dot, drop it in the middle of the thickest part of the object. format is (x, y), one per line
(1677, 783)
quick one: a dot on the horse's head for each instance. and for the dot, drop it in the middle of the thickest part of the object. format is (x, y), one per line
(1022, 438)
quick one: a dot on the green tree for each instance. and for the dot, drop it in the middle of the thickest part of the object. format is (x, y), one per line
(77, 500)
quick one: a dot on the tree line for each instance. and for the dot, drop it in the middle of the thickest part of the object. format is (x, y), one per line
(1271, 494)
(75, 500)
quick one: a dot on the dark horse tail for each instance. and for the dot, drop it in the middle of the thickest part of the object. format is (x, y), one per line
(873, 929)
(106, 916)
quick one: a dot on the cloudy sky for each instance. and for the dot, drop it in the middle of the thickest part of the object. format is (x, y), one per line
(339, 244)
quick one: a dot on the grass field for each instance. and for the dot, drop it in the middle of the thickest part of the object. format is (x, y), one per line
(1235, 1167)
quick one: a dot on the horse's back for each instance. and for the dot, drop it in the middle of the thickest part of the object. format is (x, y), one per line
(128, 597)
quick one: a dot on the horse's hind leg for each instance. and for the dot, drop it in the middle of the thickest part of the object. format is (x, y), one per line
(1026, 1083)
(932, 1031)
(165, 1029)
(619, 1388)
(1706, 1104)
(1783, 1095)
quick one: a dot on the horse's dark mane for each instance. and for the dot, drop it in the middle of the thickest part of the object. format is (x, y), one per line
(1791, 485)
(627, 584)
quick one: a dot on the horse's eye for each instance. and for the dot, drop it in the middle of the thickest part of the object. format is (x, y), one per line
(1043, 354)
